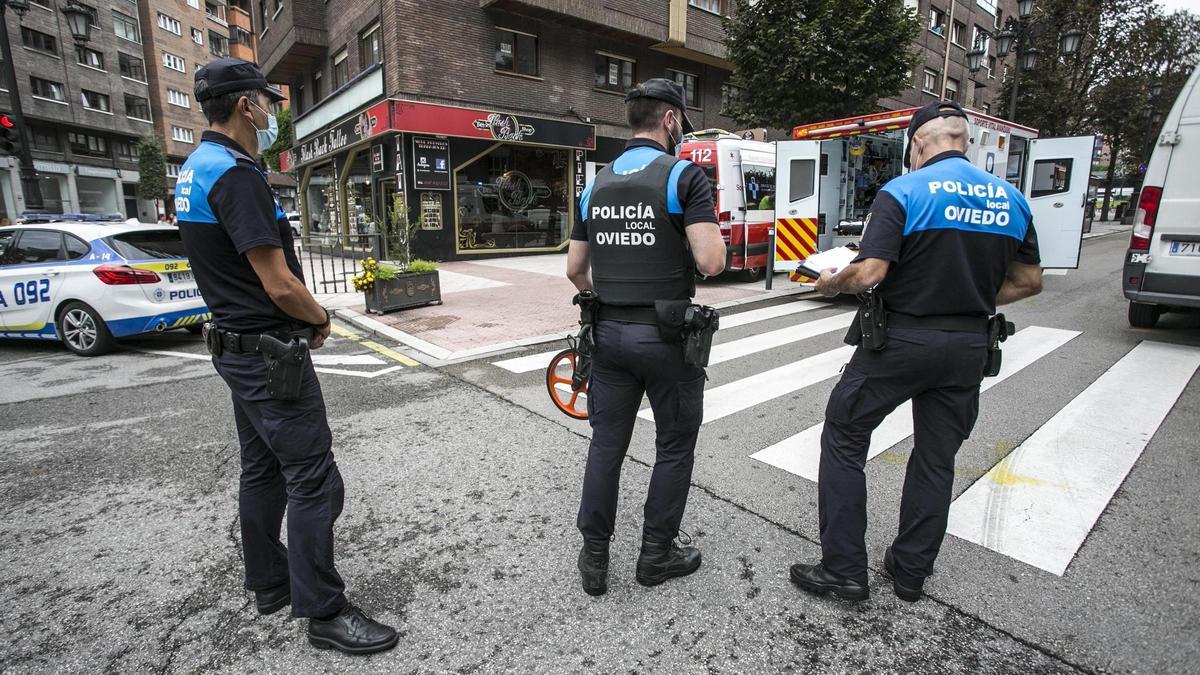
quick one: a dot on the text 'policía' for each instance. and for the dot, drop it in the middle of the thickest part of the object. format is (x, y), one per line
(639, 224)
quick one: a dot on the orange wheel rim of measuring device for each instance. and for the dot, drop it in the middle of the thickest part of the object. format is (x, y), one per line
(569, 402)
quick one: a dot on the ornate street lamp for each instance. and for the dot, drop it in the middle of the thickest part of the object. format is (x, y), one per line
(975, 58)
(1029, 58)
(1005, 40)
(1156, 89)
(79, 20)
(1024, 8)
(1068, 42)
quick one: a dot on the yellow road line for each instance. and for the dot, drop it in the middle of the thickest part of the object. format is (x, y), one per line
(370, 344)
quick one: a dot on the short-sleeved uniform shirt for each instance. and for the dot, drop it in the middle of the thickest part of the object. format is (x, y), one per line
(950, 230)
(224, 208)
(688, 190)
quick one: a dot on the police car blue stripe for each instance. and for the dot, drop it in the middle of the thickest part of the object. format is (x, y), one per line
(146, 324)
(953, 194)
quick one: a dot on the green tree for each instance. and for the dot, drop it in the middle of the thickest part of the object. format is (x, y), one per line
(797, 61)
(283, 142)
(152, 169)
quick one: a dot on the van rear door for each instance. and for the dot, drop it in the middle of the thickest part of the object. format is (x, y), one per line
(797, 170)
(1056, 184)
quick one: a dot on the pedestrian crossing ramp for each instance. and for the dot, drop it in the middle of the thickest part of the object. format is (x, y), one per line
(1038, 502)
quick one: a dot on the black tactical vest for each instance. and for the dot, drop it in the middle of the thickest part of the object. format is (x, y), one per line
(639, 251)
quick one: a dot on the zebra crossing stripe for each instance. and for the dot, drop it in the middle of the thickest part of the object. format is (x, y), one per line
(748, 392)
(801, 454)
(777, 338)
(539, 361)
(1041, 501)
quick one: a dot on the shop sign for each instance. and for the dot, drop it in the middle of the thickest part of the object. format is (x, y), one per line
(377, 159)
(431, 211)
(431, 163)
(96, 172)
(580, 175)
(361, 127)
(490, 125)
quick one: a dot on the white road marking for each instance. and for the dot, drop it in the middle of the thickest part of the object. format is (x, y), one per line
(1039, 503)
(801, 454)
(366, 374)
(747, 392)
(346, 360)
(526, 364)
(729, 351)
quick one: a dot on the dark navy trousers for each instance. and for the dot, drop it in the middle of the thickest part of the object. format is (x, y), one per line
(287, 464)
(940, 372)
(630, 359)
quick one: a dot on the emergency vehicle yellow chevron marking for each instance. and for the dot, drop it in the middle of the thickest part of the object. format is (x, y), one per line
(181, 265)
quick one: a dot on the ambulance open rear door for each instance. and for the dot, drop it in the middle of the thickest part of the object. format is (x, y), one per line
(1056, 184)
(797, 174)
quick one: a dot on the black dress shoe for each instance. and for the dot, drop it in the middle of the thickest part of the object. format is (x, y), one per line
(907, 590)
(662, 560)
(817, 579)
(593, 568)
(352, 632)
(273, 599)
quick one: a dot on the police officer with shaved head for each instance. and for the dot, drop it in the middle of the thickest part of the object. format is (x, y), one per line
(646, 227)
(944, 245)
(240, 246)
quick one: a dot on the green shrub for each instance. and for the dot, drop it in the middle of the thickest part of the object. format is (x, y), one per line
(421, 266)
(386, 271)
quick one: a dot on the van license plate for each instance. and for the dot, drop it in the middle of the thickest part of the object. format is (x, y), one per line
(176, 277)
(1185, 248)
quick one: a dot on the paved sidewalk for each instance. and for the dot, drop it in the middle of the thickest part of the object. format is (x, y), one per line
(1104, 228)
(493, 305)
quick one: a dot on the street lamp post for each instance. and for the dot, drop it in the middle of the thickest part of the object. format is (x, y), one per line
(1015, 37)
(29, 180)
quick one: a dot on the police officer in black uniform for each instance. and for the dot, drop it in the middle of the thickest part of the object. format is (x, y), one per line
(647, 226)
(241, 251)
(944, 245)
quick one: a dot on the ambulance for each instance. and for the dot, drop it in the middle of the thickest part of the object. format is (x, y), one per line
(828, 174)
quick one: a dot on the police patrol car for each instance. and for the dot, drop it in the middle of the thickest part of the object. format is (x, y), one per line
(86, 283)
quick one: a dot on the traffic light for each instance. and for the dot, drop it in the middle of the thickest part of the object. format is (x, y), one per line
(9, 139)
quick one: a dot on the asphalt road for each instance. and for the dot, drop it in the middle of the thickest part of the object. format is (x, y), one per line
(119, 536)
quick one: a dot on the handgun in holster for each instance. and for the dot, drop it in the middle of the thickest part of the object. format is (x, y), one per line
(869, 329)
(584, 343)
(212, 338)
(700, 322)
(999, 330)
(285, 366)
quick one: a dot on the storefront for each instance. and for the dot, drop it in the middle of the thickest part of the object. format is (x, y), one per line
(73, 188)
(471, 182)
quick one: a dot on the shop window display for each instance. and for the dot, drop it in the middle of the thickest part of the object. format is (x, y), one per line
(360, 203)
(322, 200)
(514, 197)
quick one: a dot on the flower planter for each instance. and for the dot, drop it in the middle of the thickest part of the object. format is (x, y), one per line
(409, 289)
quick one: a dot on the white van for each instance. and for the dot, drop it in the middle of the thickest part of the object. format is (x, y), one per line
(1162, 266)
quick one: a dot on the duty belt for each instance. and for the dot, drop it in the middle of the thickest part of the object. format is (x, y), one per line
(944, 322)
(252, 343)
(629, 314)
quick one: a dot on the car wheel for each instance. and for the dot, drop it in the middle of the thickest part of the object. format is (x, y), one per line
(751, 274)
(83, 331)
(1143, 315)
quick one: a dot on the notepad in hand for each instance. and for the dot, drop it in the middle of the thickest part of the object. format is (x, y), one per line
(838, 258)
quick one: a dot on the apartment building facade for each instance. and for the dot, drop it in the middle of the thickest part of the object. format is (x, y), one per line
(483, 118)
(85, 106)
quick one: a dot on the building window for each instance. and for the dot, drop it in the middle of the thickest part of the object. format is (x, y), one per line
(240, 36)
(715, 6)
(508, 180)
(182, 135)
(194, 4)
(47, 89)
(516, 52)
(930, 83)
(93, 15)
(298, 99)
(999, 15)
(218, 45)
(42, 42)
(126, 150)
(978, 37)
(341, 69)
(131, 67)
(317, 92)
(93, 100)
(614, 73)
(176, 97)
(937, 21)
(87, 144)
(262, 16)
(731, 95)
(174, 62)
(137, 107)
(952, 89)
(169, 24)
(89, 57)
(126, 27)
(370, 51)
(215, 11)
(173, 169)
(46, 139)
(198, 36)
(991, 67)
(958, 34)
(690, 84)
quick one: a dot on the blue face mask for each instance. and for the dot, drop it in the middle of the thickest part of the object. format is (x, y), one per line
(266, 137)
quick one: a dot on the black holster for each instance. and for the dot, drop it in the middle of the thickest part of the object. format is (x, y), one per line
(869, 329)
(285, 366)
(700, 322)
(670, 316)
(999, 330)
(584, 343)
(212, 339)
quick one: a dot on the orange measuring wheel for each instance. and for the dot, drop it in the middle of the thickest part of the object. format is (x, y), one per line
(571, 402)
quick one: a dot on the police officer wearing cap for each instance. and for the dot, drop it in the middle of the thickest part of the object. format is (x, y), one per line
(944, 245)
(646, 228)
(241, 251)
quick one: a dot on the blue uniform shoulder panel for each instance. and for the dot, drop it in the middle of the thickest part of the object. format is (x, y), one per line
(197, 176)
(955, 194)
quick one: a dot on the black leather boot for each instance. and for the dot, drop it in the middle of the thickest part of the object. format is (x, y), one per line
(908, 590)
(662, 560)
(593, 568)
(273, 599)
(352, 632)
(816, 579)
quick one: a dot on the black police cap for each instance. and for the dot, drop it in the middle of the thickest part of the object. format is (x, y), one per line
(662, 89)
(928, 113)
(222, 76)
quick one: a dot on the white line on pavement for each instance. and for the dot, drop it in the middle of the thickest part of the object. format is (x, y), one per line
(801, 454)
(748, 392)
(1039, 503)
(777, 338)
(330, 371)
(346, 360)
